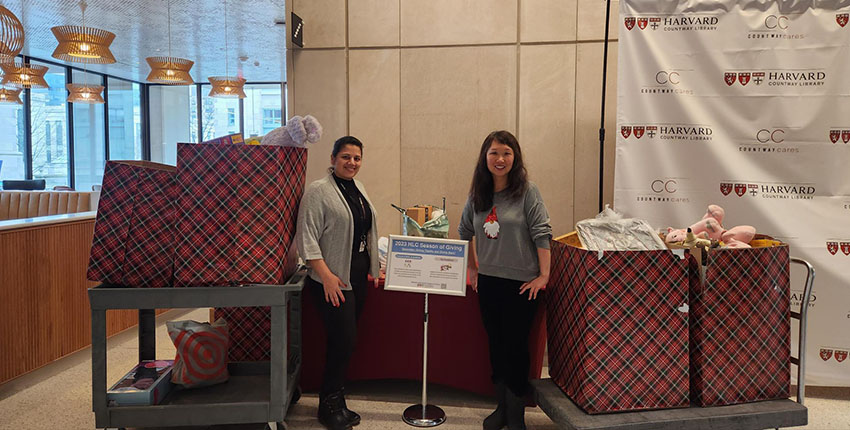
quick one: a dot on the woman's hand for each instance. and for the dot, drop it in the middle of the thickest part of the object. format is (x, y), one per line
(533, 286)
(333, 293)
(472, 277)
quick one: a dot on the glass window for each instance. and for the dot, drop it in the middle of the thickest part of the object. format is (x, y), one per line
(173, 118)
(125, 120)
(13, 144)
(89, 157)
(219, 116)
(49, 130)
(263, 112)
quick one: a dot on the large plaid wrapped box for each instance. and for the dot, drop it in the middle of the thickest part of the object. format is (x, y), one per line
(740, 326)
(134, 229)
(237, 207)
(617, 327)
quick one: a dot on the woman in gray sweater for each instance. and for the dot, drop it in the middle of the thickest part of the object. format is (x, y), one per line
(337, 236)
(509, 266)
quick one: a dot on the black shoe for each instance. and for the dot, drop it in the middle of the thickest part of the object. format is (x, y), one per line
(352, 417)
(514, 410)
(498, 419)
(331, 412)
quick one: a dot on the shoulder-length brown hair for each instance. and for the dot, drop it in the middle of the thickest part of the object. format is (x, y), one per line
(481, 190)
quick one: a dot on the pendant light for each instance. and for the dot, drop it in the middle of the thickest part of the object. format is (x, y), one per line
(11, 35)
(81, 44)
(170, 70)
(20, 74)
(226, 86)
(10, 96)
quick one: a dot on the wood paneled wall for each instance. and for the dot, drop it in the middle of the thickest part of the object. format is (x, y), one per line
(44, 307)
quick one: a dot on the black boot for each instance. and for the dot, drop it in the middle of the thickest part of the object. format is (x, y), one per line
(515, 410)
(498, 419)
(331, 413)
(352, 417)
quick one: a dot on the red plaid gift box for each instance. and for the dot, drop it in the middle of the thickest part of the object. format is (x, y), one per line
(740, 327)
(250, 332)
(618, 328)
(237, 208)
(133, 232)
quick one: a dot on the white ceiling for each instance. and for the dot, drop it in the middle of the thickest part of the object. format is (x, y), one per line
(140, 27)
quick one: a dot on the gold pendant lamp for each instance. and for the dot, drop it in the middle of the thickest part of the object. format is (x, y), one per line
(10, 96)
(81, 44)
(11, 35)
(23, 75)
(85, 93)
(227, 86)
(170, 70)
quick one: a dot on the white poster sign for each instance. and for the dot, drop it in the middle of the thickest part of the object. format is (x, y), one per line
(745, 105)
(427, 265)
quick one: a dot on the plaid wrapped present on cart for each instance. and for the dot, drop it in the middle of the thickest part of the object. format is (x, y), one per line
(133, 232)
(740, 326)
(239, 207)
(618, 327)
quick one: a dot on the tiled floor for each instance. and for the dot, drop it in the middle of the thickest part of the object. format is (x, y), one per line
(59, 396)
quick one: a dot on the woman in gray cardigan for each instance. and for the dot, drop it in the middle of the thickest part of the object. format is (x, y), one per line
(337, 236)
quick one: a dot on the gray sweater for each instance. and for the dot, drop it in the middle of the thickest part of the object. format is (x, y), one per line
(508, 234)
(326, 229)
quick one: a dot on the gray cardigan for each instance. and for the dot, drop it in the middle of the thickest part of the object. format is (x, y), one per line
(326, 229)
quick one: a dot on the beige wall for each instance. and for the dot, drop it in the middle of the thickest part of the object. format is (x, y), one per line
(422, 82)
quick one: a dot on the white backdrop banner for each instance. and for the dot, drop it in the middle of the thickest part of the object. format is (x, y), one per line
(746, 105)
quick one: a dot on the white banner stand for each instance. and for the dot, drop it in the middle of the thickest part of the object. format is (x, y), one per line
(428, 266)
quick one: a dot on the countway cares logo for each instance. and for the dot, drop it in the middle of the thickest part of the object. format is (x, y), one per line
(776, 26)
(664, 190)
(839, 135)
(834, 245)
(672, 23)
(770, 140)
(840, 354)
(670, 81)
(667, 132)
(768, 190)
(776, 78)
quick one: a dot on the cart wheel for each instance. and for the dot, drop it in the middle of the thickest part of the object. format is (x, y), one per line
(278, 426)
(296, 395)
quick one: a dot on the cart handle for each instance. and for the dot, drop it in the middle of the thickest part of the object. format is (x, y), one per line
(800, 360)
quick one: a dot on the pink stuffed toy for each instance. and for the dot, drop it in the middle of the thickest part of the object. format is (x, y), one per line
(711, 227)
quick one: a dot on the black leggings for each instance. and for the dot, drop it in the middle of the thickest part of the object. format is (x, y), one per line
(341, 328)
(507, 318)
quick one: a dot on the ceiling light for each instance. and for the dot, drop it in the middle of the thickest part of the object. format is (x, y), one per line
(83, 93)
(11, 35)
(23, 75)
(10, 96)
(226, 86)
(170, 70)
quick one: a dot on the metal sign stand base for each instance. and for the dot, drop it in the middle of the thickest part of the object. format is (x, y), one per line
(423, 414)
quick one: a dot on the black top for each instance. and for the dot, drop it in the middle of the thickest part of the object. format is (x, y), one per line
(359, 209)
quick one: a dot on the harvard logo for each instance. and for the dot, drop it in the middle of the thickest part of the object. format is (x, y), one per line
(630, 23)
(642, 23)
(638, 131)
(725, 188)
(845, 136)
(845, 248)
(842, 19)
(834, 135)
(825, 354)
(744, 78)
(740, 189)
(625, 131)
(730, 78)
(840, 356)
(832, 247)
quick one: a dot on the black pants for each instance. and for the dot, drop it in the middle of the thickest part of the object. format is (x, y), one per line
(340, 326)
(507, 318)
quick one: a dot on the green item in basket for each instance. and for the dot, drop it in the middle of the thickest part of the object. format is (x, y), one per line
(437, 227)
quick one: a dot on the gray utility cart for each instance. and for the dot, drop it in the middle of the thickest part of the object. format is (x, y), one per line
(259, 392)
(749, 416)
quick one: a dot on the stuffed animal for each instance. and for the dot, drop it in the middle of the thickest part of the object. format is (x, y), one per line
(711, 227)
(297, 132)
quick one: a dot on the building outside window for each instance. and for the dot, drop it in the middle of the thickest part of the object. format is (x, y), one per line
(263, 110)
(13, 143)
(219, 116)
(49, 130)
(125, 120)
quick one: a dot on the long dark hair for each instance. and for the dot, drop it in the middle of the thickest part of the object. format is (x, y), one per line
(340, 143)
(481, 190)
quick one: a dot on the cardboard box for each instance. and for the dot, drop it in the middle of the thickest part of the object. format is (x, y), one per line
(417, 214)
(617, 324)
(123, 393)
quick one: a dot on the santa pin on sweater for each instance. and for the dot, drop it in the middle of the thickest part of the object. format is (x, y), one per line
(491, 225)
